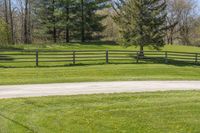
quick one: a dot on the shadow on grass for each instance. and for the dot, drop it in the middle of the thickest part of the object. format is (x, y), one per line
(10, 48)
(6, 58)
(145, 60)
(51, 66)
(17, 123)
(100, 43)
(160, 60)
(92, 43)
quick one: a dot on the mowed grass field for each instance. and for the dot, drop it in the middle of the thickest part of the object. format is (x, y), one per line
(97, 71)
(88, 73)
(98, 46)
(65, 58)
(159, 112)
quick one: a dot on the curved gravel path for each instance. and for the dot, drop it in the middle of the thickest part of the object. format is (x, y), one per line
(17, 91)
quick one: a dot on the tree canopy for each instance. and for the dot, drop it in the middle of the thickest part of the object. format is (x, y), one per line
(142, 22)
(77, 19)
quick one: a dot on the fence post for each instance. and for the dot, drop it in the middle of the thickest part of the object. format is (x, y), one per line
(74, 57)
(36, 58)
(196, 58)
(107, 57)
(166, 57)
(137, 58)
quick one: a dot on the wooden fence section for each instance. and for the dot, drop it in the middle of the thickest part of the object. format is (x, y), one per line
(14, 58)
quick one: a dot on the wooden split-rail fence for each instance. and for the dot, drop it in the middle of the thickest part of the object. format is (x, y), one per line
(62, 57)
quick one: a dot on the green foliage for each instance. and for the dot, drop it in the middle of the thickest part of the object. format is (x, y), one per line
(142, 22)
(67, 15)
(3, 33)
(92, 19)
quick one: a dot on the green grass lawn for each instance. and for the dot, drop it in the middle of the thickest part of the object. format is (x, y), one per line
(160, 112)
(174, 112)
(100, 46)
(27, 59)
(97, 71)
(111, 72)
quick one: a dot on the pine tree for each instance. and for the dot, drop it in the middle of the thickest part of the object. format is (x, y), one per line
(83, 20)
(142, 22)
(67, 19)
(96, 19)
(90, 20)
(68, 8)
(47, 11)
(77, 19)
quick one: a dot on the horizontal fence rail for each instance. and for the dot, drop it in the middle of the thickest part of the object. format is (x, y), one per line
(13, 58)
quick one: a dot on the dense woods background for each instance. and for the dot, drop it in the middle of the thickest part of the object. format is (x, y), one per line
(59, 21)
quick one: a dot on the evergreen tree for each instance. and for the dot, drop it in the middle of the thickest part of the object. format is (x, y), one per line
(83, 3)
(77, 19)
(88, 21)
(48, 13)
(142, 22)
(68, 17)
(92, 20)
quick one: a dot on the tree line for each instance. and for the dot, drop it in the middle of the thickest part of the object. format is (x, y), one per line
(35, 21)
(53, 20)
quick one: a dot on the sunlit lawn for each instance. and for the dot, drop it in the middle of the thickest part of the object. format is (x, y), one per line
(100, 46)
(96, 71)
(88, 73)
(161, 112)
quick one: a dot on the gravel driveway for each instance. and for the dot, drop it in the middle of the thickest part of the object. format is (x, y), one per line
(17, 91)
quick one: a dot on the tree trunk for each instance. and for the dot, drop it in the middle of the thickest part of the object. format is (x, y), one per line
(172, 35)
(141, 54)
(25, 23)
(67, 25)
(171, 40)
(22, 27)
(6, 19)
(67, 35)
(82, 22)
(54, 34)
(29, 24)
(6, 11)
(54, 23)
(11, 22)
